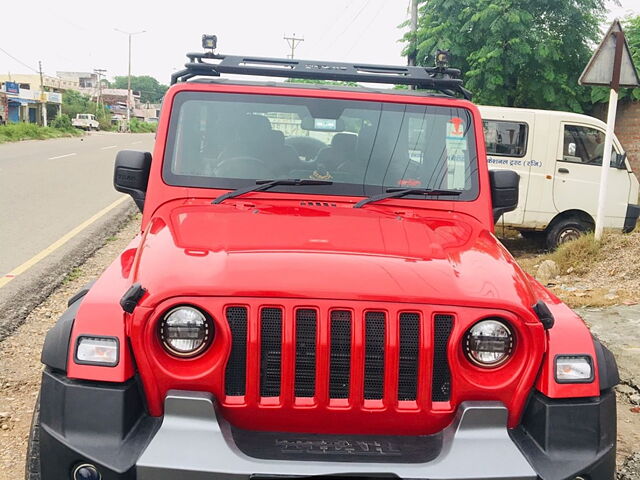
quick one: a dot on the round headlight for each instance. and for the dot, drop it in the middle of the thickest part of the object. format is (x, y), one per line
(488, 343)
(185, 331)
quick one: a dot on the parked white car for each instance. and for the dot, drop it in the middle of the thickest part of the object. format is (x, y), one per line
(86, 121)
(559, 158)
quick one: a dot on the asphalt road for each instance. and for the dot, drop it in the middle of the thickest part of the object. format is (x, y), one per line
(47, 188)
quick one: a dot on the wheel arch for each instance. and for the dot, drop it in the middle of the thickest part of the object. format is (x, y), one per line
(574, 213)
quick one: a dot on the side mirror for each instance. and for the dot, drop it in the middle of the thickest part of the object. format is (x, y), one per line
(619, 161)
(131, 174)
(504, 191)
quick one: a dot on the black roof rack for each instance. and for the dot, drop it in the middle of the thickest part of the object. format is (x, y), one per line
(445, 80)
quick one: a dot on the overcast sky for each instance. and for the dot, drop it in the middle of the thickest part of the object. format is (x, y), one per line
(79, 36)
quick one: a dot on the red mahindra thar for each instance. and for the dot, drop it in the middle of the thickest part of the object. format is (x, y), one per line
(316, 290)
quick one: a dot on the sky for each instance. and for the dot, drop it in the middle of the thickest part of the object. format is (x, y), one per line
(70, 35)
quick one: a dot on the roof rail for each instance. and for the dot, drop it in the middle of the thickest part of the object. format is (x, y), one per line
(445, 80)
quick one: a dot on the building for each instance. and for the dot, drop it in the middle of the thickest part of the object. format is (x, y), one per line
(83, 79)
(4, 108)
(627, 129)
(26, 99)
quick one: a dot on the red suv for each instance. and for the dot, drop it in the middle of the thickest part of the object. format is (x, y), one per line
(316, 290)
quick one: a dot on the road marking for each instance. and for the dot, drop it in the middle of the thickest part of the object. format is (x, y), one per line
(110, 146)
(58, 243)
(63, 156)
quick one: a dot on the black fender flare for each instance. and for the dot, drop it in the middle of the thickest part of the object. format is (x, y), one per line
(607, 366)
(55, 350)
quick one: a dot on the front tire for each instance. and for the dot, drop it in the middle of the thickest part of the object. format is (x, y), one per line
(566, 230)
(32, 466)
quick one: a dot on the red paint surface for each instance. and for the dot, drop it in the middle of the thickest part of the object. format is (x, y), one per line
(270, 248)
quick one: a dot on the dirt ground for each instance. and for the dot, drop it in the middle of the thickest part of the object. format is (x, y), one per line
(618, 328)
(20, 366)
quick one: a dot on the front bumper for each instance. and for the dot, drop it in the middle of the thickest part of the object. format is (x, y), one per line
(106, 425)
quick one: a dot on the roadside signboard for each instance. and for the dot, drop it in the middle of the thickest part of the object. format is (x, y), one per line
(12, 88)
(610, 66)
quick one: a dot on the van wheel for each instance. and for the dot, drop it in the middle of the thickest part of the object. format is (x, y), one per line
(32, 467)
(566, 230)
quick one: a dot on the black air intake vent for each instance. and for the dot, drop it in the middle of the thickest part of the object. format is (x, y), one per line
(409, 348)
(236, 372)
(374, 344)
(270, 351)
(306, 338)
(441, 379)
(340, 357)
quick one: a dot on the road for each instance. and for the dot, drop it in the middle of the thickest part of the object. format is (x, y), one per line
(47, 188)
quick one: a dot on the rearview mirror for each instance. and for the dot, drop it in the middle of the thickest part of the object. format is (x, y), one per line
(504, 191)
(131, 174)
(619, 161)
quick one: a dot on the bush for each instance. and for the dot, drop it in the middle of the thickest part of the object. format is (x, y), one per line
(136, 126)
(14, 132)
(62, 122)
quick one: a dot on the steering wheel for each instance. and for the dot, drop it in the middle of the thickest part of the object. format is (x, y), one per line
(243, 167)
(306, 147)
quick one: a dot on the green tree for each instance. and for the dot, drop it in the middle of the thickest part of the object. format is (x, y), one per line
(74, 102)
(631, 26)
(151, 91)
(519, 53)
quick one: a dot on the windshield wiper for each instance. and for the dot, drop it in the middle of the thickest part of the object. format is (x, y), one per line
(266, 185)
(402, 192)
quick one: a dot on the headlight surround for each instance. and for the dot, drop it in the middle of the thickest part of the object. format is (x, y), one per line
(489, 343)
(574, 369)
(185, 331)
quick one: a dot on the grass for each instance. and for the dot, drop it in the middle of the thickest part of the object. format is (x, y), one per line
(580, 254)
(137, 126)
(14, 132)
(74, 274)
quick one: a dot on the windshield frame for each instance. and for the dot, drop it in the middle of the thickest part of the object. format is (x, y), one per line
(337, 188)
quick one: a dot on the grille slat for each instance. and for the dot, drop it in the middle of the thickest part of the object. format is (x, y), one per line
(409, 350)
(270, 351)
(441, 377)
(236, 371)
(374, 365)
(340, 354)
(306, 338)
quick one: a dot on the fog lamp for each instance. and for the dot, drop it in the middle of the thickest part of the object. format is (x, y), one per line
(86, 472)
(185, 331)
(97, 351)
(209, 42)
(488, 343)
(574, 369)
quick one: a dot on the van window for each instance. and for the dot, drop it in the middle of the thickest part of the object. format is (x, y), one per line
(507, 139)
(583, 145)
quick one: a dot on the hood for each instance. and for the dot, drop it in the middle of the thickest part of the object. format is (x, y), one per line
(322, 250)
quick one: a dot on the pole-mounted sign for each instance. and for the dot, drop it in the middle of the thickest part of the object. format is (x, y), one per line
(610, 66)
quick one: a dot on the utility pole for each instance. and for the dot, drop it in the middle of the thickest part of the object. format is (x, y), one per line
(130, 34)
(100, 72)
(411, 59)
(293, 43)
(43, 96)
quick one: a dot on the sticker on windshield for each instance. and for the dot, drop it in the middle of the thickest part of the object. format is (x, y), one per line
(456, 134)
(456, 153)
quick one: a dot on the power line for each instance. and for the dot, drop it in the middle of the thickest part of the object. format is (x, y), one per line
(366, 4)
(18, 60)
(373, 19)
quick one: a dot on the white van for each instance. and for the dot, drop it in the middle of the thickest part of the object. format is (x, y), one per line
(559, 156)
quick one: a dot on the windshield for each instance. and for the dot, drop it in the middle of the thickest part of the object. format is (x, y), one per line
(220, 140)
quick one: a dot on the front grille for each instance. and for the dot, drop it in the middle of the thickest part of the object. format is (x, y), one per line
(270, 351)
(236, 372)
(374, 342)
(340, 366)
(441, 377)
(323, 353)
(306, 339)
(409, 350)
